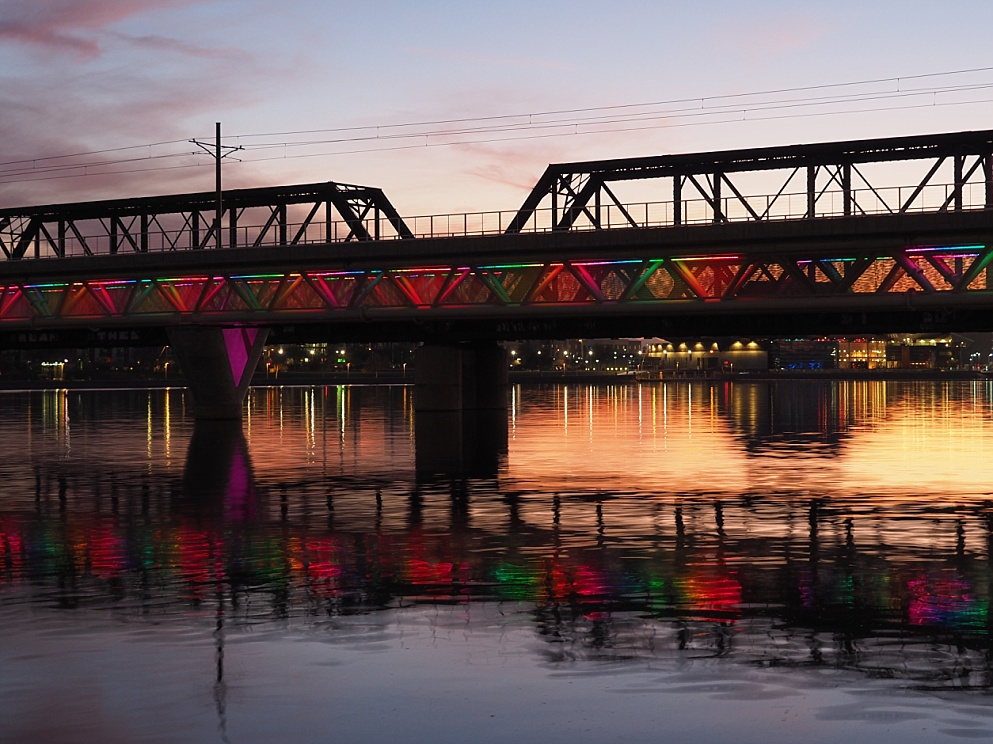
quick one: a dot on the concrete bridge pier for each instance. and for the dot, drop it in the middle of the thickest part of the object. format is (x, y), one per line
(218, 364)
(460, 408)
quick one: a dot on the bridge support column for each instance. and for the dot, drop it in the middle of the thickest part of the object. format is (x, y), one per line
(460, 408)
(218, 364)
(460, 377)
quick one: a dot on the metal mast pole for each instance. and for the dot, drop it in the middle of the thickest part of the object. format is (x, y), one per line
(218, 152)
(220, 206)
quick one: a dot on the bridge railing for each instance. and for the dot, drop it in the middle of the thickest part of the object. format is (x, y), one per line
(790, 206)
(767, 207)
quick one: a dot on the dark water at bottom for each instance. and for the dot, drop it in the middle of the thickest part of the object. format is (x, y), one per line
(687, 562)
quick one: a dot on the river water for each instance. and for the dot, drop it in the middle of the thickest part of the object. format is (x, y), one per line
(714, 562)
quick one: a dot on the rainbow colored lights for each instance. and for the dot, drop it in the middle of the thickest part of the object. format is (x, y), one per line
(265, 296)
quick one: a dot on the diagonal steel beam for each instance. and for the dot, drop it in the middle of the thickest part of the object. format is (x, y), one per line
(27, 237)
(579, 205)
(979, 264)
(794, 272)
(745, 272)
(453, 279)
(319, 285)
(210, 290)
(8, 298)
(408, 290)
(913, 271)
(742, 199)
(854, 272)
(285, 290)
(143, 290)
(648, 269)
(946, 271)
(240, 287)
(684, 273)
(37, 300)
(587, 281)
(100, 295)
(495, 286)
(166, 290)
(617, 203)
(545, 279)
(370, 280)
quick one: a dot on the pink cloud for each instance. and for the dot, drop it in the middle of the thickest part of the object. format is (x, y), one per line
(35, 133)
(155, 43)
(517, 165)
(69, 25)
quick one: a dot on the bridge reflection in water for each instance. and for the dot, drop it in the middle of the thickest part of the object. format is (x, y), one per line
(660, 565)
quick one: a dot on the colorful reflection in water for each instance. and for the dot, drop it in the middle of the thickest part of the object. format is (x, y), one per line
(795, 525)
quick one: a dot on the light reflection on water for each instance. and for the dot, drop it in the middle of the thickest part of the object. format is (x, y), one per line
(693, 545)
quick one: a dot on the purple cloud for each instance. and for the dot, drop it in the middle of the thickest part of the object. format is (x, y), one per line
(69, 26)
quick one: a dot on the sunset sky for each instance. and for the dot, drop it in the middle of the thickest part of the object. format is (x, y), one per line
(369, 83)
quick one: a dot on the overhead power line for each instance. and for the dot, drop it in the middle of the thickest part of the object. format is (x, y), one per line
(703, 100)
(904, 92)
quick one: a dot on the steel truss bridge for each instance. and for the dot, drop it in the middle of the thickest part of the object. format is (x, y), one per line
(890, 234)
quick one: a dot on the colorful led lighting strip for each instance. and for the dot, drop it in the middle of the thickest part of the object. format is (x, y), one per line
(516, 266)
(604, 263)
(113, 283)
(969, 251)
(937, 249)
(322, 274)
(691, 259)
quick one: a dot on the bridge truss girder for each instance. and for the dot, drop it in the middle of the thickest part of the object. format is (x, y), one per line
(185, 221)
(785, 280)
(830, 179)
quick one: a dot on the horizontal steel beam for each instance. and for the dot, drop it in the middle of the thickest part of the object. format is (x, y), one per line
(879, 150)
(174, 203)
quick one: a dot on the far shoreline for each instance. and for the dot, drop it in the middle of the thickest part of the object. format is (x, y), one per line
(520, 377)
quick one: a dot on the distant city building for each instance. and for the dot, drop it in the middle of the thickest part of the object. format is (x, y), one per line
(706, 355)
(893, 352)
(804, 354)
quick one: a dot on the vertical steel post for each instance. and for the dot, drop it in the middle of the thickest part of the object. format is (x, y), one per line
(988, 177)
(959, 163)
(328, 221)
(846, 188)
(62, 238)
(555, 203)
(811, 191)
(217, 178)
(677, 200)
(144, 233)
(195, 229)
(718, 212)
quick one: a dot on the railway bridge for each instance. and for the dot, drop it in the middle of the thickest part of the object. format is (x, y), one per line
(892, 234)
